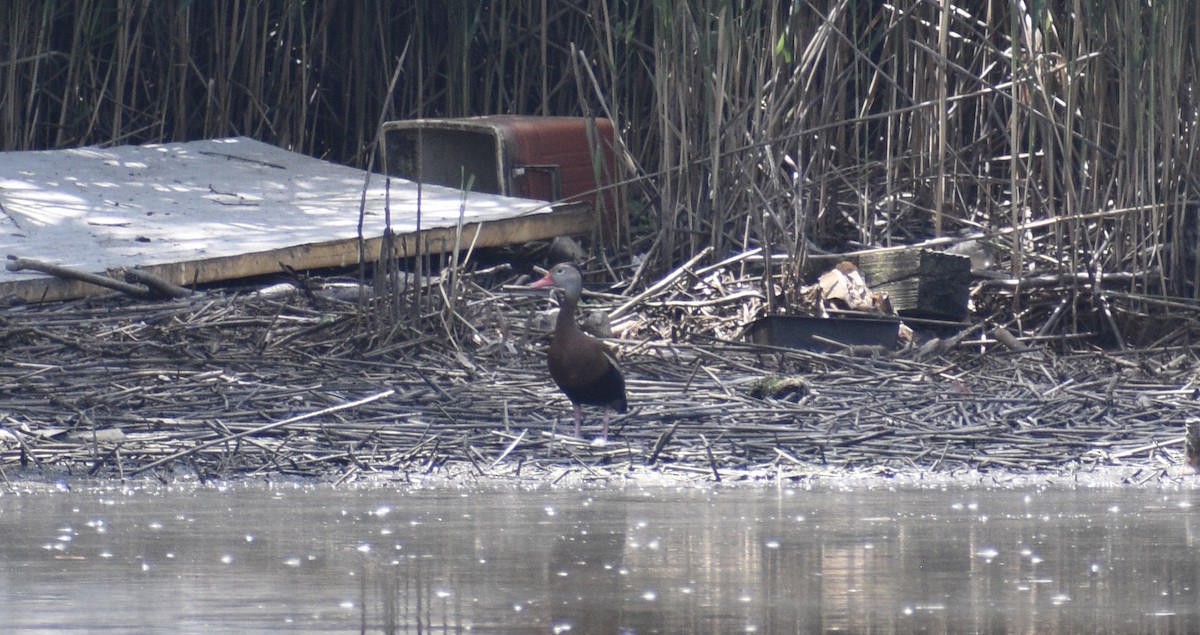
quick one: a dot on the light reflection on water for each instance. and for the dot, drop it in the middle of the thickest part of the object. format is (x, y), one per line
(314, 559)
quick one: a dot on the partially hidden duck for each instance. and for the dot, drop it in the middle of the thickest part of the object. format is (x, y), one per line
(579, 363)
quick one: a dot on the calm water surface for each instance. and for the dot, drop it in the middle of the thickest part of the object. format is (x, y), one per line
(250, 558)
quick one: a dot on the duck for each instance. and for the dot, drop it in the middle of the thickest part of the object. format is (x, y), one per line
(581, 365)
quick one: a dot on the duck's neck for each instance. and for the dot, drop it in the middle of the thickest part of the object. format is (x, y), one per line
(566, 315)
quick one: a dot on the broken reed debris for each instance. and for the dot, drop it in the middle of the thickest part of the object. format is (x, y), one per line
(235, 384)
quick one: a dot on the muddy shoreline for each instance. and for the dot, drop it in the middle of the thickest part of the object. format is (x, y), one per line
(240, 384)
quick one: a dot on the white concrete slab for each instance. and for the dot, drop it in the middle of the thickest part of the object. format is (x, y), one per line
(99, 208)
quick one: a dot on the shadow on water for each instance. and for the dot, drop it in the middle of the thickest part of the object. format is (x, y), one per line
(313, 559)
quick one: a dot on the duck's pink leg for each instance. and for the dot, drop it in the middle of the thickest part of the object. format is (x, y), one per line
(578, 418)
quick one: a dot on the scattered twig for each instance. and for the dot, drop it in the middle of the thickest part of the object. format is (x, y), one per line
(262, 429)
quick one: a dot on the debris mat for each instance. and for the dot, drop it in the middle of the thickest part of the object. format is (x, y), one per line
(231, 384)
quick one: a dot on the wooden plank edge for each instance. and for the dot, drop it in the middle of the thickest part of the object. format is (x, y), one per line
(572, 220)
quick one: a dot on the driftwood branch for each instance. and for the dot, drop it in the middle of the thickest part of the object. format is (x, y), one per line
(157, 286)
(16, 263)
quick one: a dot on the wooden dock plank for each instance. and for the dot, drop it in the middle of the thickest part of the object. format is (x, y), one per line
(222, 209)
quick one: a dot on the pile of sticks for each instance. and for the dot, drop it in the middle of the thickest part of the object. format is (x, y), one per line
(242, 384)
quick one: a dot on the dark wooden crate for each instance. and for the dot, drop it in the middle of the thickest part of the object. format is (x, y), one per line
(920, 282)
(797, 331)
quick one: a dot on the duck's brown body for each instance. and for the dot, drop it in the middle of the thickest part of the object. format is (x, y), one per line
(581, 365)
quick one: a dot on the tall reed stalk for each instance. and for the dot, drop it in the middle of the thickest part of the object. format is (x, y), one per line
(1064, 129)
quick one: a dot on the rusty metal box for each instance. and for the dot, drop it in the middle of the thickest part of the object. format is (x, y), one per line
(556, 159)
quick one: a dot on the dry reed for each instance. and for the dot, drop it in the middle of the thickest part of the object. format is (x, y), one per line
(1063, 132)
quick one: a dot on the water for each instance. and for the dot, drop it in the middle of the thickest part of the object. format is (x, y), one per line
(297, 558)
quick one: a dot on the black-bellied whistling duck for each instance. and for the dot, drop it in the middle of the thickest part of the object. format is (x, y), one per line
(580, 364)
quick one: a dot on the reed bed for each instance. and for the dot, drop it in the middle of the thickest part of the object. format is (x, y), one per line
(249, 384)
(1065, 132)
